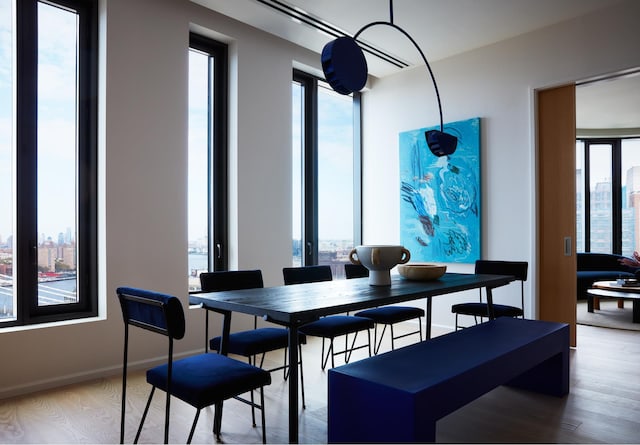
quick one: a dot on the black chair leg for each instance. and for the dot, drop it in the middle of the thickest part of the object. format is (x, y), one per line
(392, 338)
(349, 351)
(264, 427)
(253, 410)
(324, 359)
(217, 420)
(304, 404)
(144, 414)
(193, 426)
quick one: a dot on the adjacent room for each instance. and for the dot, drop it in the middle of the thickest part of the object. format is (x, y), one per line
(150, 147)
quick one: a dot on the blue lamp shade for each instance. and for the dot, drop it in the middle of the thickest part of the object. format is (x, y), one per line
(441, 144)
(344, 65)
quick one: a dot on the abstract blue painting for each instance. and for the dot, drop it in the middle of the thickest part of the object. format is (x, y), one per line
(440, 196)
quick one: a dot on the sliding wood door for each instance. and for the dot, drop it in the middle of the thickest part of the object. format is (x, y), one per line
(556, 186)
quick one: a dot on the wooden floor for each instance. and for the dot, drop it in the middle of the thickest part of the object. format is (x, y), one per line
(603, 407)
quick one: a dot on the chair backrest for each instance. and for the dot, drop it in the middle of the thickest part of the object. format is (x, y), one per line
(152, 311)
(307, 274)
(355, 271)
(231, 280)
(518, 269)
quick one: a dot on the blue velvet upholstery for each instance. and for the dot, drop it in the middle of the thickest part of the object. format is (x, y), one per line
(336, 325)
(200, 380)
(480, 310)
(306, 274)
(205, 379)
(256, 341)
(172, 321)
(391, 314)
(592, 267)
(355, 271)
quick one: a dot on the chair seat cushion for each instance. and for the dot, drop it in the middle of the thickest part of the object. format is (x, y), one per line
(391, 314)
(480, 310)
(256, 341)
(335, 325)
(205, 379)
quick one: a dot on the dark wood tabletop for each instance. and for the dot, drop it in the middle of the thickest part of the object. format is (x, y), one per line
(295, 305)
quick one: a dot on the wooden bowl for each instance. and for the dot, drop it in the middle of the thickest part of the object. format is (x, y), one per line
(421, 271)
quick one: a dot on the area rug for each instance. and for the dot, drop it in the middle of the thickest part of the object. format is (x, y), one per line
(609, 316)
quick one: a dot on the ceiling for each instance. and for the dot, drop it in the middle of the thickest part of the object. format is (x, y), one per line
(442, 28)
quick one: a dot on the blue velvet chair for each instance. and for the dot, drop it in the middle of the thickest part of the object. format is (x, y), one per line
(257, 341)
(480, 310)
(386, 315)
(331, 326)
(201, 380)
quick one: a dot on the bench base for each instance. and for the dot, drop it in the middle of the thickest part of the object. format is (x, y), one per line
(399, 396)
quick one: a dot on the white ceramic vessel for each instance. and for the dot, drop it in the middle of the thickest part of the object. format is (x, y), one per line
(379, 260)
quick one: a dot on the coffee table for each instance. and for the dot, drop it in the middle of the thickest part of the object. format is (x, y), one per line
(611, 289)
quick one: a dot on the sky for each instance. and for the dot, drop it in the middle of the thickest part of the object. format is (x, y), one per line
(56, 119)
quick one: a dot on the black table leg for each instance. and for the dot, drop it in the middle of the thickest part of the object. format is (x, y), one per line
(224, 342)
(636, 311)
(427, 329)
(490, 311)
(293, 384)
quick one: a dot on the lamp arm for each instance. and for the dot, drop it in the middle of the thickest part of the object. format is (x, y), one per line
(393, 25)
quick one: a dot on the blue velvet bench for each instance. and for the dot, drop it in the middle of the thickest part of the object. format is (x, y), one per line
(398, 396)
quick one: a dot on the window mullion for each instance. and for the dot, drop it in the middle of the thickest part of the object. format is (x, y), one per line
(310, 180)
(25, 245)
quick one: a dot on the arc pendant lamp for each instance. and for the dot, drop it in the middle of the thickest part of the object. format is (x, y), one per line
(345, 68)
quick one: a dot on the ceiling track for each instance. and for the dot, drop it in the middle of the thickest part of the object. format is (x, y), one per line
(320, 25)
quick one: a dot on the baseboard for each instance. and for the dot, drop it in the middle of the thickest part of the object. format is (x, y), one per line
(94, 374)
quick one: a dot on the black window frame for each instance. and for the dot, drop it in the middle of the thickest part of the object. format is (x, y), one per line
(616, 191)
(218, 211)
(310, 86)
(27, 310)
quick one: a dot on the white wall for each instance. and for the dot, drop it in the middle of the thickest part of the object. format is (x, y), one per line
(497, 84)
(144, 133)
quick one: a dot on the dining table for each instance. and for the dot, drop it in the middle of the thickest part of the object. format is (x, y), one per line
(294, 305)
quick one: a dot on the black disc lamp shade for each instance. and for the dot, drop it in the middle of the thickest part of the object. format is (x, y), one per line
(440, 143)
(344, 65)
(345, 69)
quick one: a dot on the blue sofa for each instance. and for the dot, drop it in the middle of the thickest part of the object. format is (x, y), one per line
(592, 267)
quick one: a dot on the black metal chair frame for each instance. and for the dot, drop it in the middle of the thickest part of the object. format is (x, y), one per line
(253, 359)
(359, 271)
(516, 268)
(291, 277)
(171, 335)
(378, 342)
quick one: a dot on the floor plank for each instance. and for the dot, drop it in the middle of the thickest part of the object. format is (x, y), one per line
(603, 406)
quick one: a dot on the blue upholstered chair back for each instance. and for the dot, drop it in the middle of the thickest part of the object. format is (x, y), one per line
(231, 280)
(516, 268)
(355, 271)
(152, 311)
(307, 274)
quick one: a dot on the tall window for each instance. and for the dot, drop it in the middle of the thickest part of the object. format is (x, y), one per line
(326, 174)
(48, 160)
(608, 195)
(207, 199)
